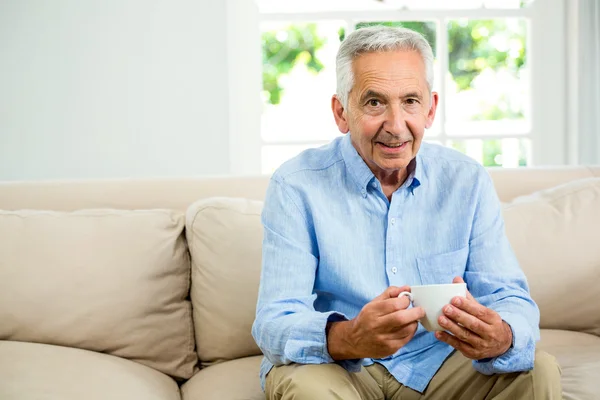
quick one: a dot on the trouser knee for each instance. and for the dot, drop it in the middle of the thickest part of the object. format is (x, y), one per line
(546, 376)
(546, 368)
(321, 381)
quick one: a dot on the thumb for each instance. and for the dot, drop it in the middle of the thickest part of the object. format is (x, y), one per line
(392, 291)
(458, 279)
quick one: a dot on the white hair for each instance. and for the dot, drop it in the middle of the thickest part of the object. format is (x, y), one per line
(378, 39)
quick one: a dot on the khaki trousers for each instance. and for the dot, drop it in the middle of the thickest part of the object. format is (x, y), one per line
(456, 379)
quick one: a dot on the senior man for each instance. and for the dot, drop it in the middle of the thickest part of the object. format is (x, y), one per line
(350, 225)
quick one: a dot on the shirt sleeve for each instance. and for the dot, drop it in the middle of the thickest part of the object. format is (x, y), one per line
(495, 279)
(287, 328)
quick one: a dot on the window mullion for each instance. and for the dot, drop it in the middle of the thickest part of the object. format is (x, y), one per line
(442, 56)
(400, 15)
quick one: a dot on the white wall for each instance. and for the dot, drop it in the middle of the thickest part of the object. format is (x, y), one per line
(113, 88)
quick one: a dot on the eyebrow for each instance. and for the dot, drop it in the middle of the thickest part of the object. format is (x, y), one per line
(417, 95)
(372, 93)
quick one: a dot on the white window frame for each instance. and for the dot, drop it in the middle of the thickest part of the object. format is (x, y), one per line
(546, 59)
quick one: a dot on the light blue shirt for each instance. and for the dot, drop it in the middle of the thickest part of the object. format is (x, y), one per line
(333, 242)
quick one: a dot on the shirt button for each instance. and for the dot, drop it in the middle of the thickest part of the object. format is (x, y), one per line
(394, 270)
(393, 221)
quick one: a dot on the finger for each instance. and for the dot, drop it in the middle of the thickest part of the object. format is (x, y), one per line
(462, 333)
(391, 305)
(466, 349)
(403, 317)
(458, 279)
(472, 307)
(481, 328)
(391, 292)
(403, 333)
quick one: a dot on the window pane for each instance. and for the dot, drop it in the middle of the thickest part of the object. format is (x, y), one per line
(275, 155)
(509, 153)
(299, 80)
(488, 77)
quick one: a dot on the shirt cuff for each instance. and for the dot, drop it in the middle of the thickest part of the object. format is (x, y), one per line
(519, 357)
(307, 343)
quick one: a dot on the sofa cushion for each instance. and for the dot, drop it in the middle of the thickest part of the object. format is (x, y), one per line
(104, 280)
(554, 234)
(32, 371)
(231, 380)
(579, 357)
(225, 240)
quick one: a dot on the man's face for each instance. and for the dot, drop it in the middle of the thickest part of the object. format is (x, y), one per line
(389, 108)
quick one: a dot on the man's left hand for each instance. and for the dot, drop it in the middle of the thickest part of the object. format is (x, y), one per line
(478, 332)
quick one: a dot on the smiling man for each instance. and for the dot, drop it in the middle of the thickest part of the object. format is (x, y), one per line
(349, 226)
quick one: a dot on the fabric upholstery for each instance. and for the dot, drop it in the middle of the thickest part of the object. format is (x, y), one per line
(579, 357)
(554, 234)
(514, 182)
(179, 194)
(225, 241)
(32, 371)
(231, 380)
(110, 281)
(128, 194)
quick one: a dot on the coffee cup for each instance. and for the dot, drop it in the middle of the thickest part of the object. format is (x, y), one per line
(432, 299)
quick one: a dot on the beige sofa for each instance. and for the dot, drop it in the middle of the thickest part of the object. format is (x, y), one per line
(148, 291)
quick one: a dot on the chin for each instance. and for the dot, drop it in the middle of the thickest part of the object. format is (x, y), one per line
(392, 166)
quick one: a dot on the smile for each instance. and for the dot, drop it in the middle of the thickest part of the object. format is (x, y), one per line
(391, 146)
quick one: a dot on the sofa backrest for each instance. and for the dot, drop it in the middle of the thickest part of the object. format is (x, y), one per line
(179, 194)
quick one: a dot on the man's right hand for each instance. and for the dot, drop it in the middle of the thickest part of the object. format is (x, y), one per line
(383, 326)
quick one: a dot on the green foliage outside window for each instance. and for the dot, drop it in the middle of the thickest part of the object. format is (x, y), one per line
(282, 50)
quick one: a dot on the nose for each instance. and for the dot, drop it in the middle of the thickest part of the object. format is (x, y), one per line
(395, 122)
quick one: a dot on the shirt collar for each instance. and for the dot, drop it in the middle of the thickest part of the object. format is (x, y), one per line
(362, 174)
(358, 169)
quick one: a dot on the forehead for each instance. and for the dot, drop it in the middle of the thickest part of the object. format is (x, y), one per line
(393, 69)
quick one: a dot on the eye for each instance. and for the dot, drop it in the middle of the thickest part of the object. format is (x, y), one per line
(412, 101)
(374, 102)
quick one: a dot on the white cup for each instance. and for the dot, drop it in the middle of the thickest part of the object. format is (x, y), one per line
(432, 299)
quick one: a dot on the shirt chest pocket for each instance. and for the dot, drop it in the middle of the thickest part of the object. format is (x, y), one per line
(442, 268)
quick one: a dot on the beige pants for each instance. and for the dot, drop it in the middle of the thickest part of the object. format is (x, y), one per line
(456, 379)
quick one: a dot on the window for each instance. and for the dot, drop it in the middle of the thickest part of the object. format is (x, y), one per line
(485, 55)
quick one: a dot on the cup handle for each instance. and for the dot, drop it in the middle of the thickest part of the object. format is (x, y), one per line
(409, 294)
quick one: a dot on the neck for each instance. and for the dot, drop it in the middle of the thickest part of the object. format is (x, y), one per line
(392, 179)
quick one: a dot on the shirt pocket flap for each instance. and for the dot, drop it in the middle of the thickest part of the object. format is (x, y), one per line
(442, 268)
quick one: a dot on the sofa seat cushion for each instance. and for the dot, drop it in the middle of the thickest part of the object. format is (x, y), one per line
(31, 371)
(230, 380)
(579, 357)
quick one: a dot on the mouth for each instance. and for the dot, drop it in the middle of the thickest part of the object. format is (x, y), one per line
(392, 147)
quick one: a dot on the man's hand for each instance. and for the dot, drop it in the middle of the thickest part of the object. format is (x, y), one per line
(478, 332)
(382, 327)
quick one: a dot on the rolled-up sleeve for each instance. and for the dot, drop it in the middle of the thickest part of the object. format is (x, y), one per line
(287, 328)
(495, 279)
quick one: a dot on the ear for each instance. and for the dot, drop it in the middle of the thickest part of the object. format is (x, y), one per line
(432, 109)
(340, 115)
